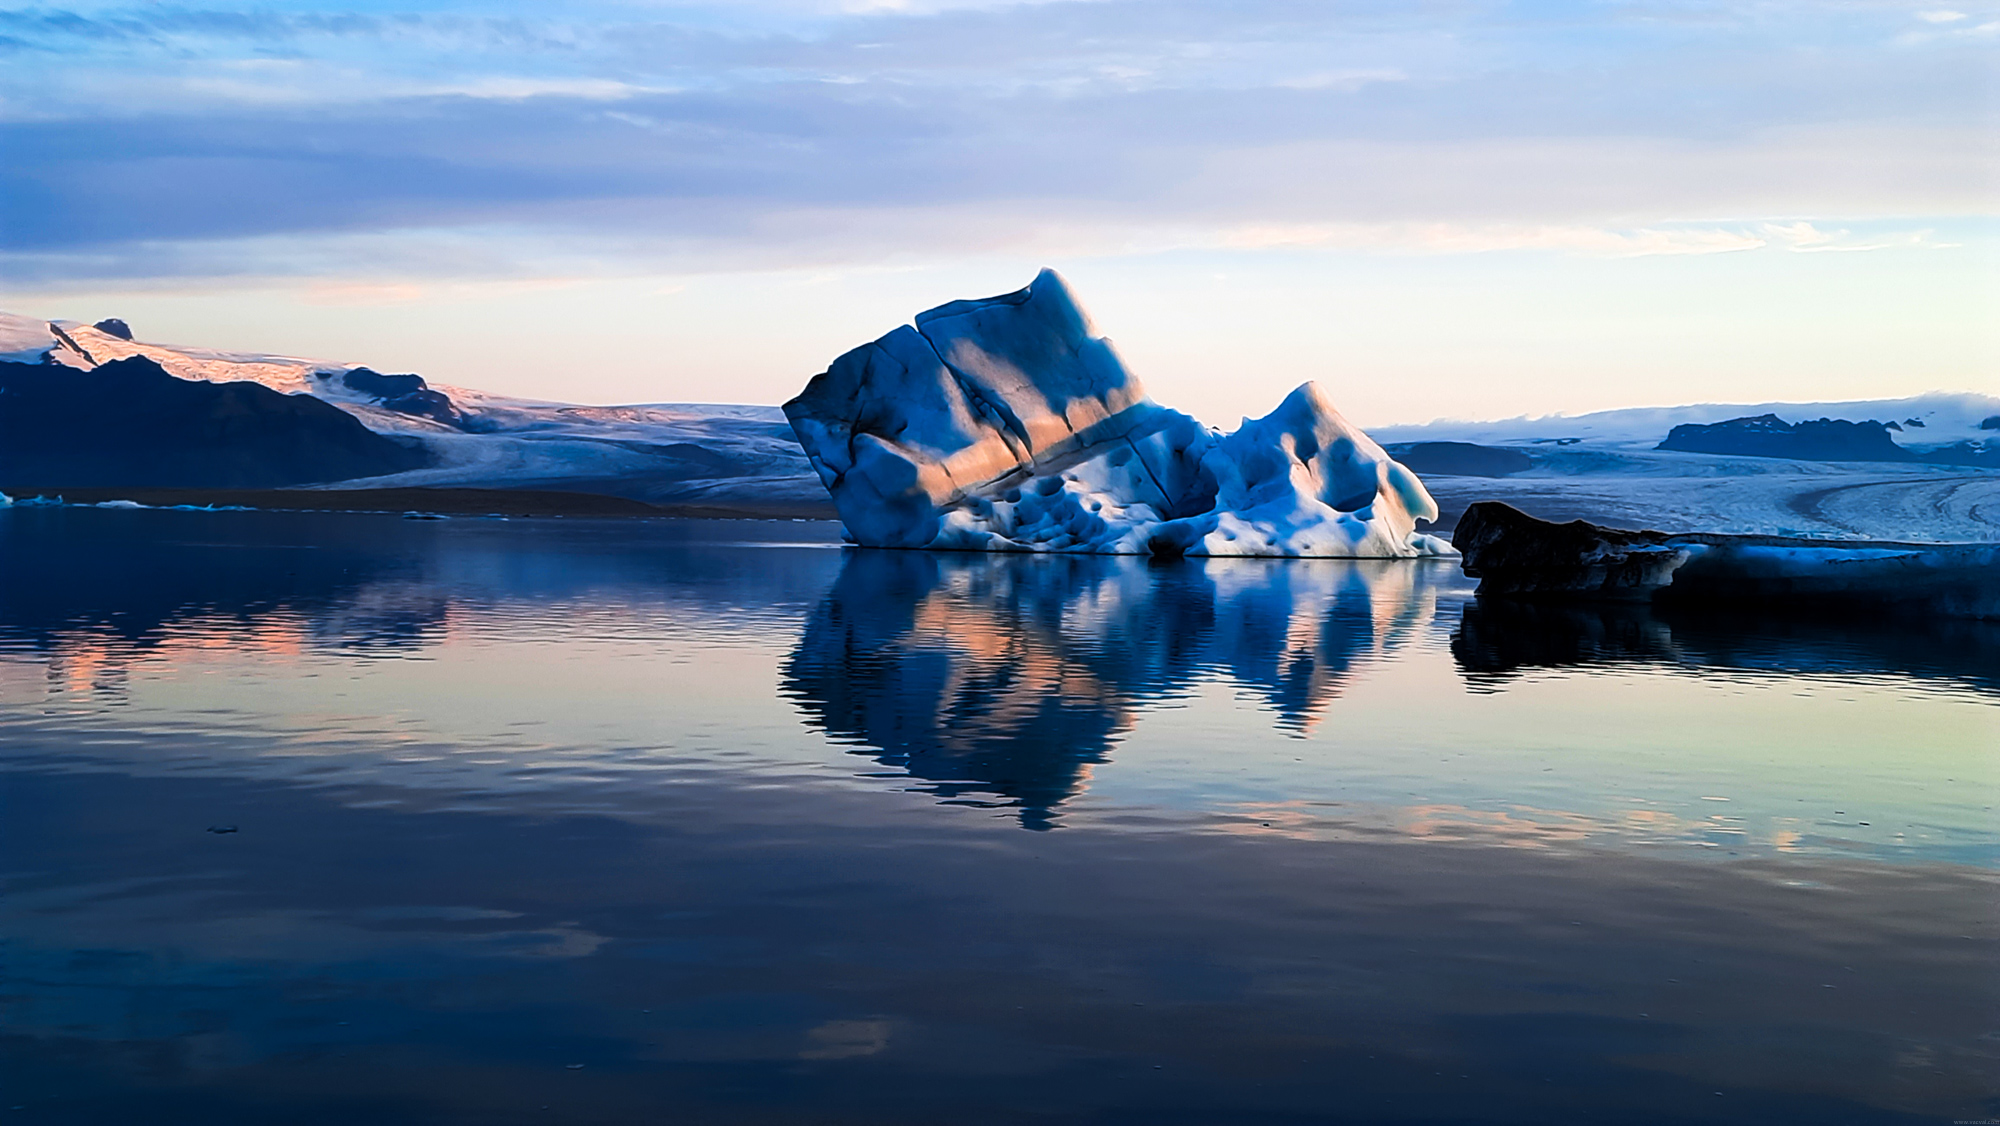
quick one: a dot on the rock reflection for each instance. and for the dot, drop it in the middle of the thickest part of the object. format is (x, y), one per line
(1497, 640)
(1000, 681)
(140, 578)
(95, 598)
(1499, 637)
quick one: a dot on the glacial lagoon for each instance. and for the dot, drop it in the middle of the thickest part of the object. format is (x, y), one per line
(319, 818)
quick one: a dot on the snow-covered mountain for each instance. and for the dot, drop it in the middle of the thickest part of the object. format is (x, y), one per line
(1923, 421)
(129, 423)
(662, 453)
(1606, 467)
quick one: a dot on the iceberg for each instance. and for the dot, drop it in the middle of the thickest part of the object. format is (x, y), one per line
(1009, 424)
(1515, 555)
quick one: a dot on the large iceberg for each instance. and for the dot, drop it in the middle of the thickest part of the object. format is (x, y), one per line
(1009, 424)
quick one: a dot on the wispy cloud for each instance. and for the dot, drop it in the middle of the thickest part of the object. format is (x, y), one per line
(827, 131)
(1949, 26)
(1447, 238)
(1594, 242)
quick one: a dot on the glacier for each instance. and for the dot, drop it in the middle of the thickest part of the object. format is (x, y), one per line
(1009, 424)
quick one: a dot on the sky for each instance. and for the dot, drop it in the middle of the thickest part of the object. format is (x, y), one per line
(1436, 208)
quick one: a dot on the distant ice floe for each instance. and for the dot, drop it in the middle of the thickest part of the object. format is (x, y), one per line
(40, 501)
(1009, 424)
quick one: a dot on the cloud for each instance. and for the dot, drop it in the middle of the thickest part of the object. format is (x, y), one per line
(1941, 16)
(1808, 238)
(1450, 238)
(1591, 242)
(214, 140)
(1342, 79)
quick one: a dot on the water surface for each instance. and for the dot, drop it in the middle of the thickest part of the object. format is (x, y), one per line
(324, 818)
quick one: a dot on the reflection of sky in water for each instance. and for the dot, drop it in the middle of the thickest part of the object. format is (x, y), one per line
(1317, 698)
(731, 817)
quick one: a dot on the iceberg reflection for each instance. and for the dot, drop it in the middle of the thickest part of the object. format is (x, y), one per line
(1000, 681)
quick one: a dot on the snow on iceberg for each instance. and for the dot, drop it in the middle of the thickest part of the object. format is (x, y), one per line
(1008, 424)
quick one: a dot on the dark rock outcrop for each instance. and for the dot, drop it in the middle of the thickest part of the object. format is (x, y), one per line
(1990, 422)
(112, 326)
(405, 394)
(129, 422)
(1767, 435)
(1513, 554)
(1460, 459)
(65, 341)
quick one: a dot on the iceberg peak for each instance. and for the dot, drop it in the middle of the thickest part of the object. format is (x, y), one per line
(1008, 424)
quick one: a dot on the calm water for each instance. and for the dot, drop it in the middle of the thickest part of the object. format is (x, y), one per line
(579, 822)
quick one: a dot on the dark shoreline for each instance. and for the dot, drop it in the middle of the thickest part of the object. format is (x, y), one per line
(440, 501)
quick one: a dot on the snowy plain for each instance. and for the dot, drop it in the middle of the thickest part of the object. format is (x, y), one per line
(1602, 467)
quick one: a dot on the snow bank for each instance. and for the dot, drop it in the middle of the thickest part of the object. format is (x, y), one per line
(1008, 424)
(58, 502)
